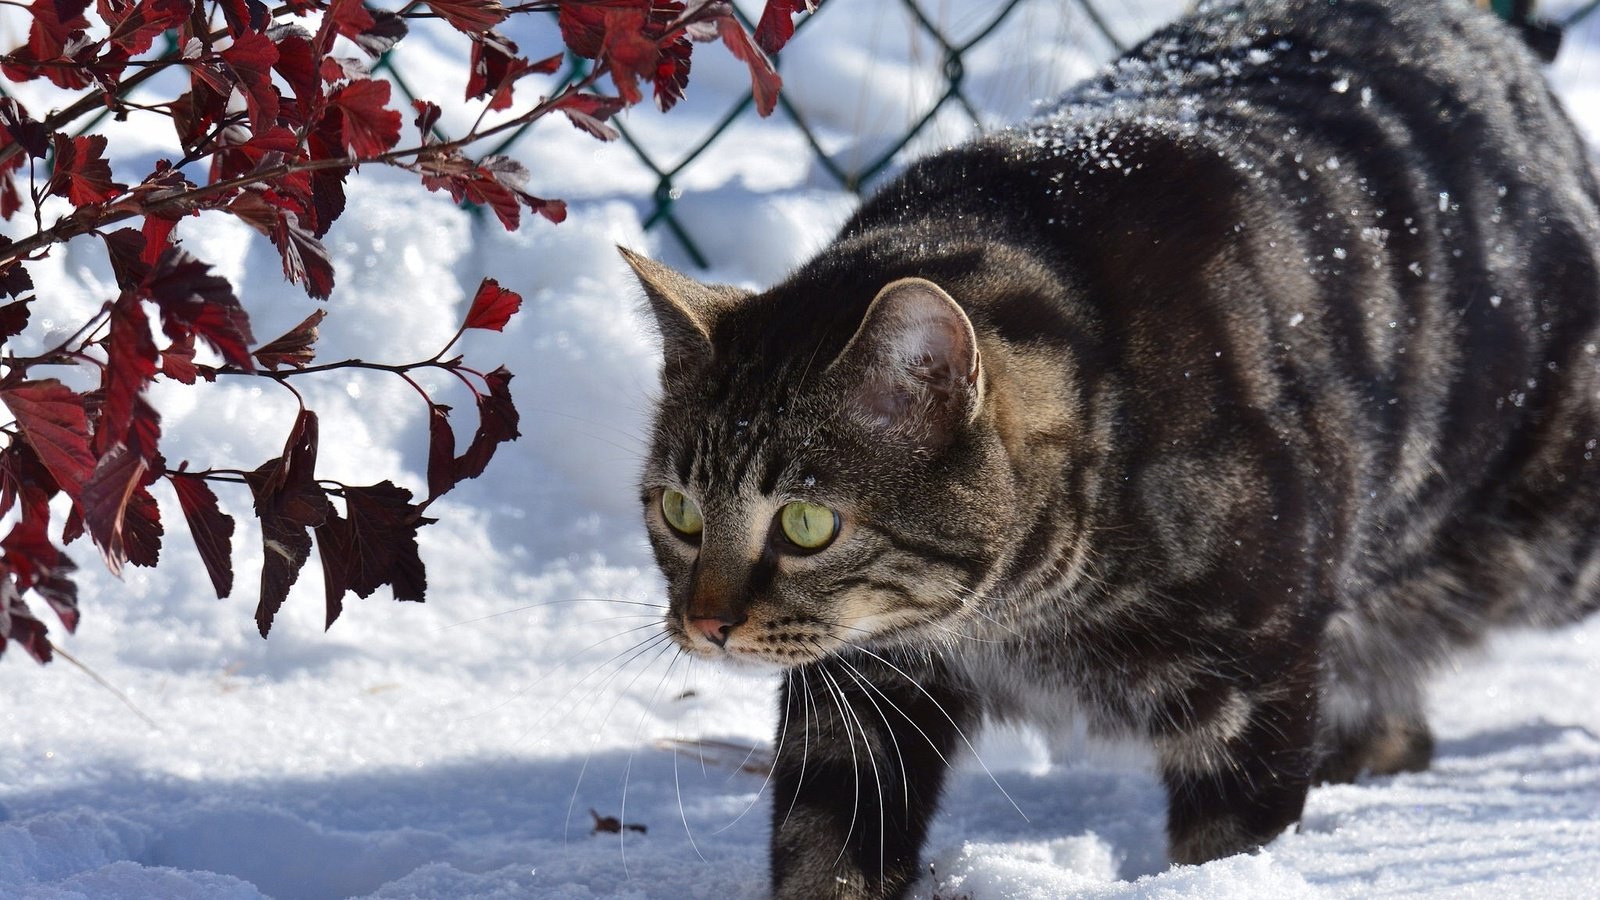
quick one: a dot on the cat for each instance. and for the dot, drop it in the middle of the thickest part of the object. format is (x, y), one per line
(1217, 406)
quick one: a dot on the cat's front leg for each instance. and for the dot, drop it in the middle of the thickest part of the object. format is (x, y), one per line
(861, 758)
(1238, 777)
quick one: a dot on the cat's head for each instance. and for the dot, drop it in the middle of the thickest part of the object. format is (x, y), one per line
(822, 471)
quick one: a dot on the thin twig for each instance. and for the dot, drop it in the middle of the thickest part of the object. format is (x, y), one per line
(105, 684)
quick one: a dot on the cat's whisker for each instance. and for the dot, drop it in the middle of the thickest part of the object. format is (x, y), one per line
(953, 724)
(843, 705)
(627, 770)
(777, 753)
(542, 604)
(660, 644)
(867, 683)
(888, 726)
(805, 745)
(561, 666)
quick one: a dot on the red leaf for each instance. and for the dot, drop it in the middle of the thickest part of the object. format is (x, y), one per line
(14, 279)
(497, 423)
(288, 501)
(583, 27)
(590, 112)
(245, 15)
(142, 528)
(342, 68)
(382, 541)
(125, 247)
(293, 348)
(298, 65)
(470, 16)
(61, 592)
(632, 53)
(212, 529)
(144, 434)
(554, 210)
(54, 21)
(385, 31)
(672, 72)
(349, 18)
(764, 80)
(441, 451)
(22, 129)
(427, 117)
(177, 362)
(157, 232)
(52, 420)
(105, 501)
(777, 22)
(494, 68)
(28, 551)
(136, 25)
(193, 301)
(370, 128)
(82, 174)
(251, 59)
(130, 366)
(333, 545)
(18, 624)
(23, 474)
(305, 259)
(14, 317)
(56, 24)
(493, 306)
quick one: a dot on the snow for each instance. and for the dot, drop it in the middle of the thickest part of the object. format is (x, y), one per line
(456, 748)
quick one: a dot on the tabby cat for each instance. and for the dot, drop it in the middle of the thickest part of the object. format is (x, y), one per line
(1216, 407)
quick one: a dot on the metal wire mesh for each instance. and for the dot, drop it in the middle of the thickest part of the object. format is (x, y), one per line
(669, 168)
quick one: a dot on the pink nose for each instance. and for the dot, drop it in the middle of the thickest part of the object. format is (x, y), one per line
(716, 629)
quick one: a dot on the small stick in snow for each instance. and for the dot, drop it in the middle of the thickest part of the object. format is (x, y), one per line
(105, 684)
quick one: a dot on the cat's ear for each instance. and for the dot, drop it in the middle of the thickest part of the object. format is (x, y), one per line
(686, 311)
(914, 363)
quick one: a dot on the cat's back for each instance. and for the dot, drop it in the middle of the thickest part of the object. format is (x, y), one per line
(1351, 240)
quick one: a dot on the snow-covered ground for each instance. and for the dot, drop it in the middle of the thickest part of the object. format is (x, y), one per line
(457, 748)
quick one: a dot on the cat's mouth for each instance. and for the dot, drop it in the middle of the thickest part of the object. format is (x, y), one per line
(786, 641)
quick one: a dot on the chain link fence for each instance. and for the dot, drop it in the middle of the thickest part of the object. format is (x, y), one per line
(944, 38)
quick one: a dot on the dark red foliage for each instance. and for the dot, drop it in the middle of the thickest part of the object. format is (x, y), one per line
(492, 306)
(497, 423)
(289, 502)
(764, 80)
(495, 68)
(52, 420)
(130, 365)
(251, 60)
(14, 318)
(369, 126)
(590, 112)
(212, 530)
(269, 119)
(82, 174)
(470, 16)
(294, 348)
(777, 22)
(194, 302)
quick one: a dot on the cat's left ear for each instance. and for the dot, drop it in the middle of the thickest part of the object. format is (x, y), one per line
(686, 311)
(915, 364)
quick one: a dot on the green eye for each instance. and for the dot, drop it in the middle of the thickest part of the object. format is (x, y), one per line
(808, 525)
(681, 513)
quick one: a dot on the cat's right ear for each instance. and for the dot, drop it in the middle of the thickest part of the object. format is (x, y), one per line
(685, 310)
(915, 364)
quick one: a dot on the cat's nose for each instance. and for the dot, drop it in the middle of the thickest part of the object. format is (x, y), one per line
(716, 628)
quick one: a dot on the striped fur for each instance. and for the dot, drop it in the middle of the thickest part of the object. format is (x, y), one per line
(1224, 402)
